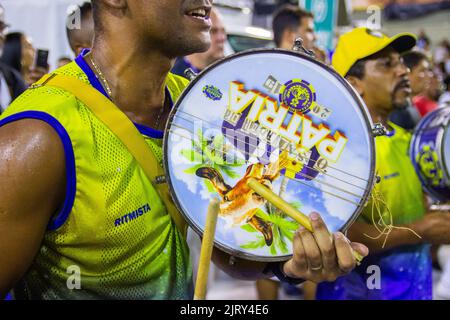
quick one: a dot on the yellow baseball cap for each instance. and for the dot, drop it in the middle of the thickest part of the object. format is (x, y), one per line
(364, 42)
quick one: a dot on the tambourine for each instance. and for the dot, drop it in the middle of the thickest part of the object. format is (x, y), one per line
(430, 153)
(275, 120)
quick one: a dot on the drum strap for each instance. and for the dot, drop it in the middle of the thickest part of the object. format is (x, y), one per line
(108, 113)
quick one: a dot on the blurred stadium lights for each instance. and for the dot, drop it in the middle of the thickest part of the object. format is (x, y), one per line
(258, 32)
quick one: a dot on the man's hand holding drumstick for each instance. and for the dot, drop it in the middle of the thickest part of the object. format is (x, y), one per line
(317, 255)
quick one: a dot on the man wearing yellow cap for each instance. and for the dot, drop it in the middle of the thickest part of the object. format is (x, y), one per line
(400, 268)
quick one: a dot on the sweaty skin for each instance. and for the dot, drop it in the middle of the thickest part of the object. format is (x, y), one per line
(32, 189)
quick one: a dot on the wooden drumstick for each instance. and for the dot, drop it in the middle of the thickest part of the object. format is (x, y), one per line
(206, 250)
(282, 205)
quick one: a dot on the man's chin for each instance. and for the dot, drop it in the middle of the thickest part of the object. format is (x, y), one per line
(402, 98)
(188, 47)
(198, 45)
(402, 103)
(401, 106)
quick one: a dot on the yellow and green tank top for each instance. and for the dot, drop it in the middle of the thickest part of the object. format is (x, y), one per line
(112, 237)
(399, 194)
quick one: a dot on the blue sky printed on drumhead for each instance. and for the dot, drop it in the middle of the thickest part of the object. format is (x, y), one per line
(192, 192)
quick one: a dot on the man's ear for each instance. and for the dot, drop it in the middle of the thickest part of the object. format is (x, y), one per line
(288, 37)
(357, 84)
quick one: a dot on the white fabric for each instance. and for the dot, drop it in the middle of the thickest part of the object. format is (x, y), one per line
(44, 21)
(5, 95)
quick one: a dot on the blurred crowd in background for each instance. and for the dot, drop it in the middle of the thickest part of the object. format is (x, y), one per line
(273, 24)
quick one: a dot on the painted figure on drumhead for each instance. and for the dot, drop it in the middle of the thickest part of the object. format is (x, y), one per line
(240, 204)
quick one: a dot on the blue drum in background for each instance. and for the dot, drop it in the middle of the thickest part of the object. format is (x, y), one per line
(430, 153)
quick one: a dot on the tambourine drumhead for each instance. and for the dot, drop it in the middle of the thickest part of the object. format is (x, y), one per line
(284, 119)
(430, 153)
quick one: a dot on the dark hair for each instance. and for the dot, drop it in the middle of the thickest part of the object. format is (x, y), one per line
(85, 9)
(12, 51)
(358, 69)
(287, 17)
(412, 58)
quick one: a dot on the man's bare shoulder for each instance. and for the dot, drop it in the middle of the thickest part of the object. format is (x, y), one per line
(28, 137)
(32, 165)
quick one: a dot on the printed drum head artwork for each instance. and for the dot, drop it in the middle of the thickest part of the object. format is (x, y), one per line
(283, 119)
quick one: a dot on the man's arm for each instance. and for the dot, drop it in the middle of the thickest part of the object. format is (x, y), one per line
(432, 228)
(370, 236)
(32, 180)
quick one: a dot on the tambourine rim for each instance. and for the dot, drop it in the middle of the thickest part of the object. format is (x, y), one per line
(360, 103)
(444, 166)
(445, 135)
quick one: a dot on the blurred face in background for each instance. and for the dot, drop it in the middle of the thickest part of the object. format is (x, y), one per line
(218, 38)
(421, 77)
(28, 53)
(306, 32)
(435, 88)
